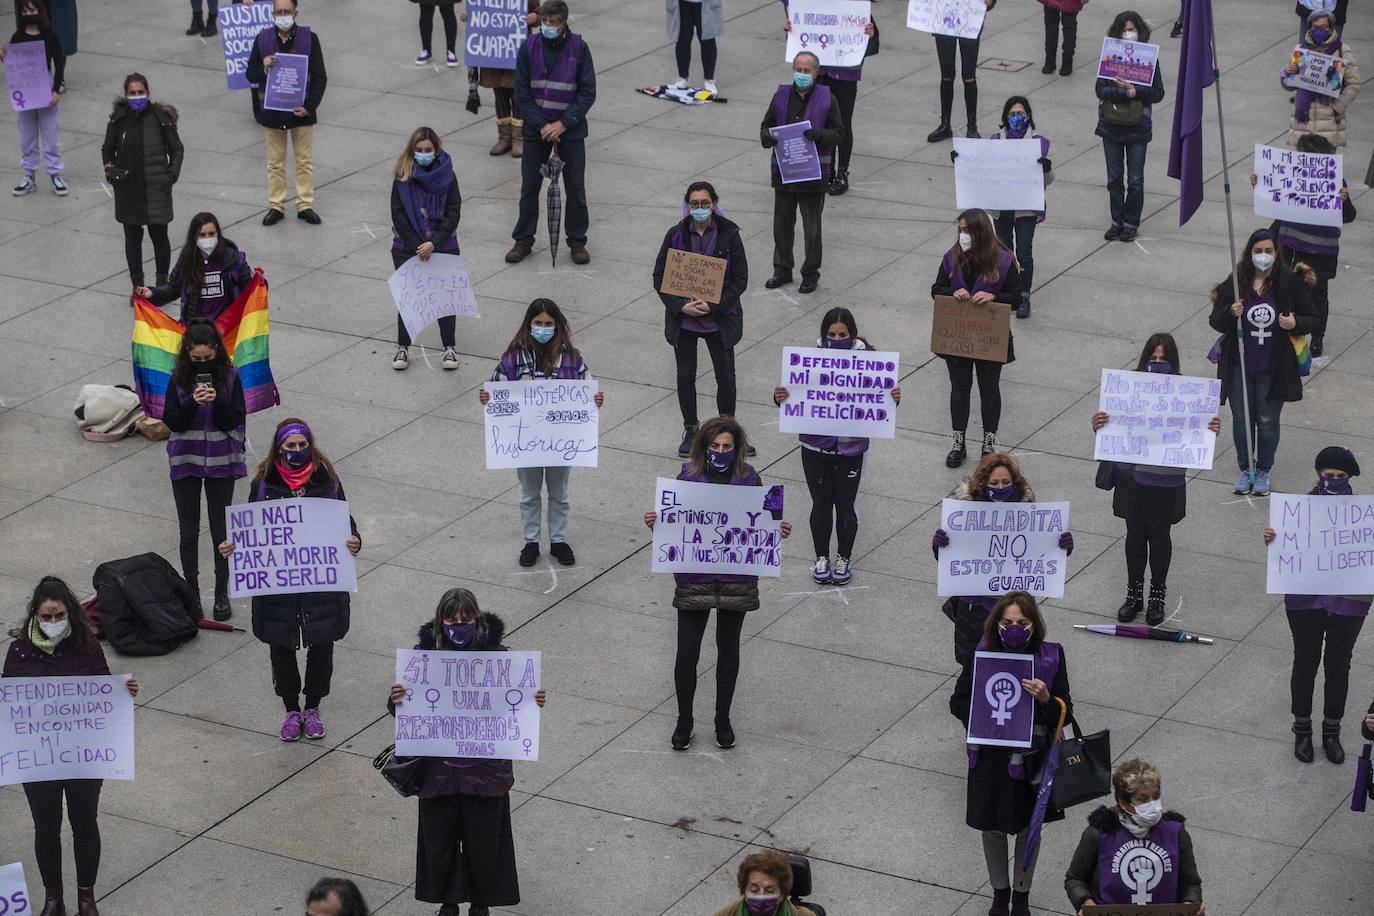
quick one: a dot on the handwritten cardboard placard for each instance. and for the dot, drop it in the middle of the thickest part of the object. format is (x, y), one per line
(26, 76)
(239, 26)
(285, 89)
(960, 18)
(468, 704)
(798, 159)
(495, 31)
(425, 291)
(1321, 73)
(66, 728)
(998, 174)
(1132, 61)
(1324, 545)
(717, 528)
(1001, 713)
(693, 276)
(542, 423)
(995, 548)
(1157, 419)
(833, 30)
(290, 546)
(839, 392)
(961, 327)
(1298, 187)
(14, 893)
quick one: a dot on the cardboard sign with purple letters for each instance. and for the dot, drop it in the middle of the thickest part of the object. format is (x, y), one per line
(66, 727)
(1001, 714)
(839, 392)
(478, 705)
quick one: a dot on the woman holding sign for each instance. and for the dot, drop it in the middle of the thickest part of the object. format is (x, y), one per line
(834, 465)
(1003, 781)
(38, 119)
(717, 457)
(57, 639)
(1313, 112)
(1333, 620)
(465, 849)
(1151, 500)
(1124, 124)
(295, 466)
(208, 276)
(542, 349)
(1016, 228)
(501, 82)
(980, 269)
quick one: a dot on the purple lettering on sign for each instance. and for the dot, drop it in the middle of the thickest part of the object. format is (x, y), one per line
(66, 728)
(495, 30)
(26, 76)
(1132, 61)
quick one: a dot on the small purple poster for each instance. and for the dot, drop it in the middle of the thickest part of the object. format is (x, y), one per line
(1002, 712)
(1132, 61)
(797, 156)
(27, 77)
(285, 89)
(495, 29)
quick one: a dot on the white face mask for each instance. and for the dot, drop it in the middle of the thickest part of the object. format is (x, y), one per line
(54, 629)
(1262, 262)
(1129, 36)
(965, 241)
(207, 245)
(1148, 814)
(283, 23)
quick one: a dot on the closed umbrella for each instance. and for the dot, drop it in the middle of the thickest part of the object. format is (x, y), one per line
(551, 170)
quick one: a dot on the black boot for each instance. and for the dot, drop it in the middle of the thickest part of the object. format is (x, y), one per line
(1302, 740)
(1001, 899)
(1067, 67)
(943, 132)
(1020, 903)
(839, 183)
(1154, 610)
(1331, 741)
(989, 442)
(682, 735)
(725, 733)
(223, 611)
(197, 23)
(957, 453)
(1134, 603)
(1051, 48)
(689, 432)
(1317, 344)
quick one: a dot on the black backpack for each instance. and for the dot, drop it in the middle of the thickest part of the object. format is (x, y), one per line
(146, 607)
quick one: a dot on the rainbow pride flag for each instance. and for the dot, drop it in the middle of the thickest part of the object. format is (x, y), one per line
(243, 325)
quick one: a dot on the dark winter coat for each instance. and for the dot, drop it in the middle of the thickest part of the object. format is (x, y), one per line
(1143, 130)
(1080, 881)
(142, 154)
(309, 618)
(316, 78)
(1292, 295)
(146, 608)
(24, 659)
(728, 314)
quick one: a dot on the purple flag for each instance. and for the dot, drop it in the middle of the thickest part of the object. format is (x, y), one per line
(1196, 71)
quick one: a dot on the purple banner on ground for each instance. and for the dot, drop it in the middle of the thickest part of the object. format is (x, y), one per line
(495, 29)
(239, 26)
(1002, 712)
(1132, 61)
(797, 156)
(285, 89)
(26, 76)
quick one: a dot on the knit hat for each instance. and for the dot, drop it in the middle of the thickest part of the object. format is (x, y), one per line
(1337, 458)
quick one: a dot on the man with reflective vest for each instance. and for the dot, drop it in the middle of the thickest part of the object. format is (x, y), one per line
(555, 86)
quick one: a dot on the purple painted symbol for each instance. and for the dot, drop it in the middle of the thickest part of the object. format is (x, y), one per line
(18, 98)
(514, 703)
(527, 742)
(1003, 693)
(432, 697)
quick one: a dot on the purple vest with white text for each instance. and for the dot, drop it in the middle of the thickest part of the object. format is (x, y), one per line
(817, 111)
(1145, 871)
(553, 91)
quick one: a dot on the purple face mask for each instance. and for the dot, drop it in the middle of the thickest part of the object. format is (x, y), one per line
(139, 103)
(1334, 486)
(460, 634)
(1015, 636)
(761, 904)
(1161, 367)
(1001, 494)
(1321, 36)
(844, 343)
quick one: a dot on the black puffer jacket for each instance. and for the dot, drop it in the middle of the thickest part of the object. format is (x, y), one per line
(144, 153)
(146, 608)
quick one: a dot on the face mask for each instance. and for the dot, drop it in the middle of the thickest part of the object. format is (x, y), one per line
(55, 629)
(1262, 262)
(207, 245)
(548, 31)
(1148, 814)
(1129, 36)
(1159, 368)
(138, 102)
(283, 23)
(1015, 636)
(1001, 494)
(802, 80)
(720, 461)
(296, 460)
(460, 634)
(700, 214)
(1333, 486)
(965, 241)
(543, 335)
(761, 904)
(424, 160)
(1321, 36)
(28, 20)
(843, 343)
(1017, 122)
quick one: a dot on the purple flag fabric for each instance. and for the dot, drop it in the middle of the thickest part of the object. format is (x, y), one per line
(1042, 797)
(1196, 71)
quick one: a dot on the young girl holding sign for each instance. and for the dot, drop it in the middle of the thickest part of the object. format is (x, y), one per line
(296, 467)
(833, 466)
(542, 349)
(39, 124)
(717, 456)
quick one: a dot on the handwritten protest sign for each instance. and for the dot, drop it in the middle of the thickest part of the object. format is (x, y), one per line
(468, 704)
(425, 291)
(717, 528)
(833, 30)
(1132, 61)
(1321, 73)
(998, 174)
(543, 423)
(839, 392)
(66, 728)
(961, 18)
(996, 548)
(239, 26)
(27, 77)
(1298, 187)
(495, 31)
(695, 276)
(14, 893)
(1157, 419)
(1001, 714)
(285, 90)
(1324, 545)
(961, 327)
(288, 546)
(797, 157)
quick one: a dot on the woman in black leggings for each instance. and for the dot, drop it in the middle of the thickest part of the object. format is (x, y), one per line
(706, 20)
(968, 71)
(427, 30)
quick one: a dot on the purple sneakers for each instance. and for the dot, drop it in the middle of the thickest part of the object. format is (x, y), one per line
(291, 726)
(314, 726)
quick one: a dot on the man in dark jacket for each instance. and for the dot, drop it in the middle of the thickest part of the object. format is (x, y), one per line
(803, 100)
(284, 37)
(555, 86)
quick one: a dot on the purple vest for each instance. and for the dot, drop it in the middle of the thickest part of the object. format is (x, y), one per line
(1131, 871)
(510, 365)
(268, 44)
(553, 92)
(1309, 239)
(980, 283)
(1046, 669)
(817, 111)
(204, 450)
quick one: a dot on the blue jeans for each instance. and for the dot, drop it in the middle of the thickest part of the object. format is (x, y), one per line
(1264, 418)
(573, 152)
(1008, 224)
(1125, 160)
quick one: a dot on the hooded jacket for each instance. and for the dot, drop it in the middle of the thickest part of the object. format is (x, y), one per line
(143, 153)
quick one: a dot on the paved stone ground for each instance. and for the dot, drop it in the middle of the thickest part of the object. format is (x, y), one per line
(846, 748)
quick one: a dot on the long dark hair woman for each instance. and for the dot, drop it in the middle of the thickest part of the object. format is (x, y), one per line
(209, 274)
(204, 409)
(56, 639)
(465, 848)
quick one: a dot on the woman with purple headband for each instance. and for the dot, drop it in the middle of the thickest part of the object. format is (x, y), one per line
(294, 467)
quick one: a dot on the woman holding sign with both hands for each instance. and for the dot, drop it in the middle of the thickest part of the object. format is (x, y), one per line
(57, 639)
(295, 466)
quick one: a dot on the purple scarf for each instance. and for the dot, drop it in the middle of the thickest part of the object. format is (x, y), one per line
(426, 193)
(1302, 105)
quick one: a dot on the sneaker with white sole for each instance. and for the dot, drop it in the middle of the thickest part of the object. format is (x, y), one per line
(450, 358)
(59, 187)
(1261, 487)
(1242, 483)
(450, 59)
(681, 83)
(424, 58)
(710, 86)
(841, 572)
(314, 725)
(25, 187)
(820, 570)
(401, 360)
(291, 726)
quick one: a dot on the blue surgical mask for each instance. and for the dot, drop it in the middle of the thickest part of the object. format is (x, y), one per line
(720, 461)
(543, 335)
(548, 31)
(297, 459)
(1017, 122)
(1334, 486)
(841, 343)
(460, 634)
(1160, 367)
(700, 214)
(1015, 636)
(1001, 494)
(424, 160)
(802, 80)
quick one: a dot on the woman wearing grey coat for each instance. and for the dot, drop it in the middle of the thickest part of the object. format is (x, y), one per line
(707, 19)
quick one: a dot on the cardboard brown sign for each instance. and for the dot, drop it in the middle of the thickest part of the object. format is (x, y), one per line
(695, 276)
(1151, 909)
(960, 327)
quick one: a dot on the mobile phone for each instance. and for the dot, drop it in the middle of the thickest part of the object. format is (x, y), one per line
(205, 380)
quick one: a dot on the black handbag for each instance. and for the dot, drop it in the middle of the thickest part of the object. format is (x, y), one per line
(1085, 768)
(403, 773)
(1106, 475)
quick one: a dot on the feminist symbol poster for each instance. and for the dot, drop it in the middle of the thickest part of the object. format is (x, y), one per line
(1002, 713)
